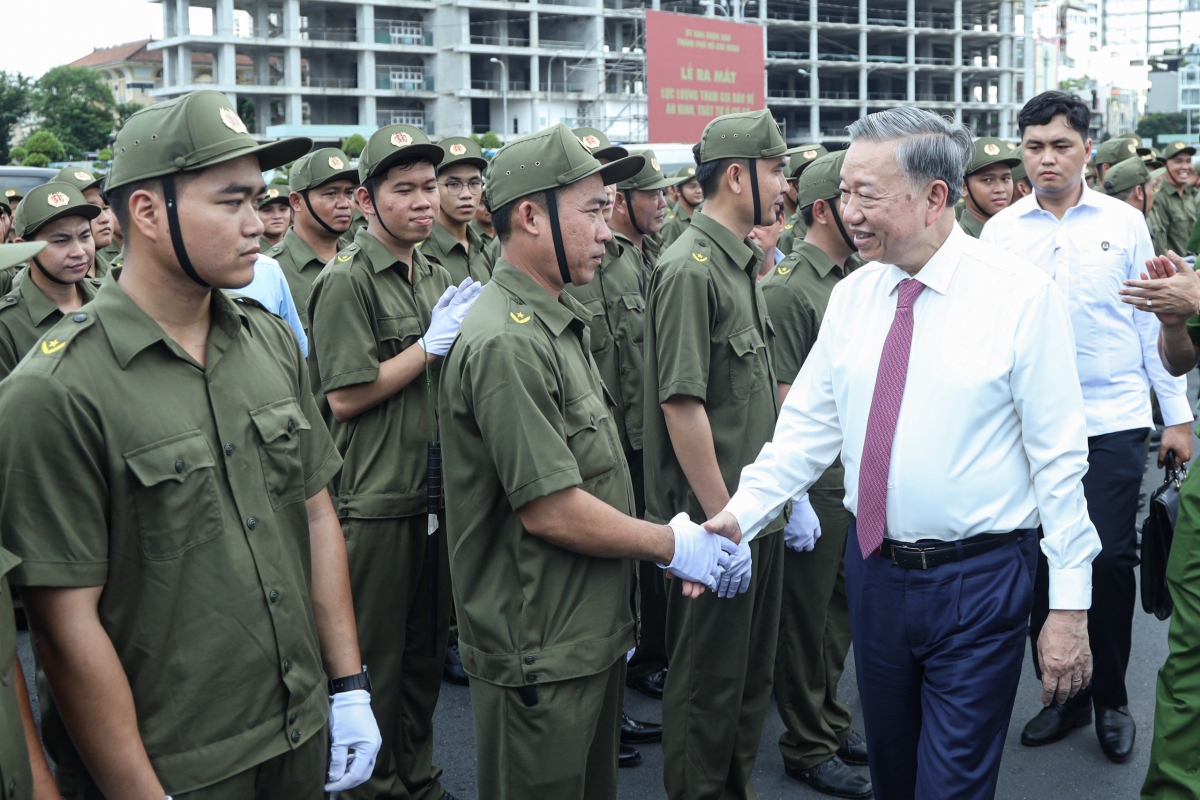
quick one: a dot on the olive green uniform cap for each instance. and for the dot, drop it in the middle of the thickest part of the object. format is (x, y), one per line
(319, 168)
(650, 178)
(684, 174)
(801, 157)
(13, 195)
(550, 159)
(1114, 151)
(49, 202)
(750, 134)
(18, 253)
(598, 144)
(990, 151)
(274, 195)
(78, 177)
(822, 179)
(1154, 159)
(393, 143)
(1175, 148)
(462, 150)
(192, 132)
(1125, 175)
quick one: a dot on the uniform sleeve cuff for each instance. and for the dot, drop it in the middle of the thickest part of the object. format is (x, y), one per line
(1175, 410)
(1071, 589)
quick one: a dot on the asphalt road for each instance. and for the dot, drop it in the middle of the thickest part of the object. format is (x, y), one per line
(1073, 768)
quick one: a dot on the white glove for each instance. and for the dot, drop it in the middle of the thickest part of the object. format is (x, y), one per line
(700, 556)
(352, 726)
(736, 578)
(447, 316)
(803, 528)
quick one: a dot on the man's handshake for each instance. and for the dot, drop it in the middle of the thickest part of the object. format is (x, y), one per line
(710, 556)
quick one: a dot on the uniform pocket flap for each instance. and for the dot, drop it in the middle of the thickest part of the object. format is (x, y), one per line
(171, 459)
(583, 413)
(633, 302)
(746, 342)
(280, 419)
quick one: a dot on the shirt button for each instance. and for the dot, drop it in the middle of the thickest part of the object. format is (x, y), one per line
(252, 523)
(10, 299)
(593, 418)
(293, 717)
(529, 659)
(287, 667)
(228, 449)
(531, 677)
(179, 466)
(274, 595)
(291, 426)
(296, 737)
(80, 317)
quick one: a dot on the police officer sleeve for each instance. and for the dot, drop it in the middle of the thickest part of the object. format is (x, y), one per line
(321, 458)
(509, 383)
(795, 324)
(53, 486)
(342, 334)
(680, 314)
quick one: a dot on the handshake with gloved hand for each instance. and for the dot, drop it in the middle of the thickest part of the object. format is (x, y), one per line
(714, 556)
(447, 317)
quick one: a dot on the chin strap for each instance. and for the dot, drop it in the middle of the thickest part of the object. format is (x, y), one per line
(837, 218)
(378, 216)
(168, 187)
(49, 277)
(973, 200)
(320, 221)
(629, 211)
(1143, 199)
(753, 166)
(556, 234)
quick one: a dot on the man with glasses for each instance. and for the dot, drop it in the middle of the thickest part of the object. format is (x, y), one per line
(453, 243)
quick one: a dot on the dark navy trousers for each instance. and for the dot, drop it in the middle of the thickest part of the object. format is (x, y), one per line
(938, 656)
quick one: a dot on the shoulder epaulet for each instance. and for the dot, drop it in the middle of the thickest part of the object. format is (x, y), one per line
(246, 300)
(276, 250)
(701, 249)
(55, 342)
(518, 313)
(786, 267)
(346, 254)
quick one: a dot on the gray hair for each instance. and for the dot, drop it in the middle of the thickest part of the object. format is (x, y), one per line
(928, 147)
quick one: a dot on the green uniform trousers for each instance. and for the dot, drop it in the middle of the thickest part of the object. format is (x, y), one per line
(722, 655)
(1174, 772)
(295, 775)
(387, 577)
(814, 638)
(564, 746)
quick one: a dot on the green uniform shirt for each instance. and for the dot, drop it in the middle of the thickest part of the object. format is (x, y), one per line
(9, 274)
(475, 226)
(491, 254)
(707, 329)
(970, 224)
(617, 303)
(25, 314)
(797, 293)
(526, 416)
(1175, 215)
(16, 779)
(677, 221)
(110, 252)
(301, 265)
(793, 232)
(442, 247)
(364, 311)
(181, 489)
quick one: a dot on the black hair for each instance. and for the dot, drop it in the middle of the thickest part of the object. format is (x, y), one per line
(806, 215)
(118, 198)
(1048, 105)
(708, 175)
(502, 217)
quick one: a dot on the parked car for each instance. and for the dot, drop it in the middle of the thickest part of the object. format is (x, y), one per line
(24, 178)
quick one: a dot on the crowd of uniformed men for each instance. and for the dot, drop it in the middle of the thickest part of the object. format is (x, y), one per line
(212, 534)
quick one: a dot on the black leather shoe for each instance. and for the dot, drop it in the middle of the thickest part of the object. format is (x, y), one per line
(1116, 731)
(628, 756)
(1053, 723)
(834, 778)
(452, 670)
(651, 685)
(853, 751)
(634, 732)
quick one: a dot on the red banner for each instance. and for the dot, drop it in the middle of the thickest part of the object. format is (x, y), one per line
(698, 68)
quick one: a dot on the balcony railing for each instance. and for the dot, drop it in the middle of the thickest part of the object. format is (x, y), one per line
(409, 32)
(349, 34)
(562, 87)
(498, 41)
(332, 83)
(887, 96)
(795, 55)
(405, 117)
(556, 44)
(403, 79)
(498, 86)
(783, 94)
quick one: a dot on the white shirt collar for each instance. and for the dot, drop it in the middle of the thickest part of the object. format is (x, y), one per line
(1029, 204)
(939, 269)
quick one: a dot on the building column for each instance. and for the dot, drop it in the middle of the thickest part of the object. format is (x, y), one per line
(814, 81)
(535, 72)
(293, 111)
(182, 26)
(958, 65)
(183, 62)
(1005, 62)
(1027, 66)
(364, 22)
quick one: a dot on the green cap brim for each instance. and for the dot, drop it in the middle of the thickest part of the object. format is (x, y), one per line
(13, 254)
(1008, 162)
(612, 153)
(1158, 173)
(661, 183)
(88, 212)
(480, 163)
(620, 170)
(432, 152)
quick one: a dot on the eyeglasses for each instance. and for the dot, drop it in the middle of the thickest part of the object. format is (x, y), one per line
(474, 186)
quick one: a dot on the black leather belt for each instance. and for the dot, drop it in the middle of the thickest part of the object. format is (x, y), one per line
(927, 555)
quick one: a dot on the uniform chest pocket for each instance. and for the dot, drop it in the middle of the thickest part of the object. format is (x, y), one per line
(747, 374)
(397, 334)
(587, 423)
(175, 495)
(279, 427)
(633, 324)
(599, 336)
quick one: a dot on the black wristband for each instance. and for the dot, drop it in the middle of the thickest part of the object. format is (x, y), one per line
(359, 680)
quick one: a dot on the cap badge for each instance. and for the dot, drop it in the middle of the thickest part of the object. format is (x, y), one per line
(991, 149)
(1178, 145)
(233, 121)
(691, 170)
(10, 193)
(809, 155)
(654, 164)
(336, 163)
(401, 139)
(57, 200)
(272, 194)
(1132, 147)
(590, 142)
(1104, 245)
(457, 149)
(82, 176)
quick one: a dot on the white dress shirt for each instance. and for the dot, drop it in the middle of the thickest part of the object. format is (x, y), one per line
(991, 435)
(1099, 243)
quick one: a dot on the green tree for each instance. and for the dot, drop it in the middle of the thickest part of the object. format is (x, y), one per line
(125, 111)
(45, 143)
(488, 141)
(353, 145)
(245, 109)
(36, 160)
(14, 104)
(105, 154)
(1153, 125)
(77, 105)
(17, 154)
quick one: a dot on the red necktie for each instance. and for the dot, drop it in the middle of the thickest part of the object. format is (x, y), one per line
(881, 424)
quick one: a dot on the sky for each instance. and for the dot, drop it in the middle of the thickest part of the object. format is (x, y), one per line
(78, 26)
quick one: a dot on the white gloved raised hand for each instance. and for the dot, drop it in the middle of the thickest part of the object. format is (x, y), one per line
(700, 556)
(352, 727)
(447, 316)
(803, 528)
(736, 578)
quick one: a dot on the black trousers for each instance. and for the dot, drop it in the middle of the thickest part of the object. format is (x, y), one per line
(1115, 463)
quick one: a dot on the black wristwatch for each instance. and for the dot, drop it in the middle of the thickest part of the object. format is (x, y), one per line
(359, 680)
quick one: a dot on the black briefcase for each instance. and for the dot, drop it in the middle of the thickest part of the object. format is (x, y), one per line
(1158, 531)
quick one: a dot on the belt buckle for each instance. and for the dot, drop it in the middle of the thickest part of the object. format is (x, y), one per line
(907, 548)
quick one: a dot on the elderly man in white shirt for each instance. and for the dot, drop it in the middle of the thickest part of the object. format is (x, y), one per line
(1089, 243)
(949, 485)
